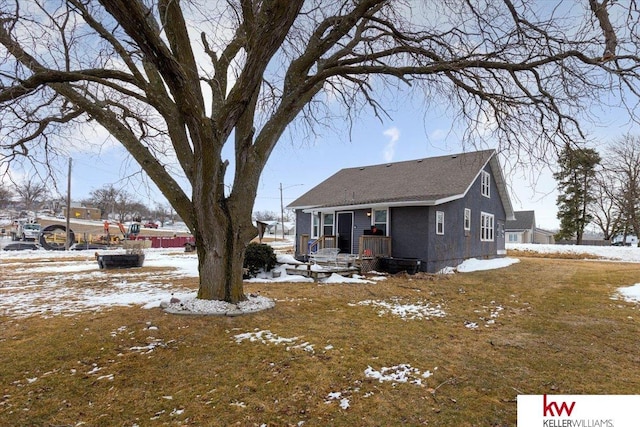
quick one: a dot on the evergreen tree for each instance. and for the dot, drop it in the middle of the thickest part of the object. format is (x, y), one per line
(575, 177)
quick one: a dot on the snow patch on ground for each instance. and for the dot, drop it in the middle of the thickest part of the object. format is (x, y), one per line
(69, 287)
(403, 373)
(474, 264)
(408, 311)
(193, 305)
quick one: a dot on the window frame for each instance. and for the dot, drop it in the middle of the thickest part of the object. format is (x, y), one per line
(467, 219)
(440, 223)
(325, 224)
(315, 225)
(487, 231)
(485, 184)
(384, 226)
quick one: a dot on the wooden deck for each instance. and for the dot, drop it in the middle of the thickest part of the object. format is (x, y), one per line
(326, 271)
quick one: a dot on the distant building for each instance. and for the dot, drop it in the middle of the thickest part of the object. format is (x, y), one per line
(628, 240)
(523, 230)
(82, 212)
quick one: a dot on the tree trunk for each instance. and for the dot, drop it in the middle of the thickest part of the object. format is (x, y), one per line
(221, 251)
(222, 228)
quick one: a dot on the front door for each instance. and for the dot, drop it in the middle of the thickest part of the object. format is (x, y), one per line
(345, 232)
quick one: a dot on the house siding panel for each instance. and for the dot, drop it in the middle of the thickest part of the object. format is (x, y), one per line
(453, 246)
(492, 206)
(409, 232)
(414, 236)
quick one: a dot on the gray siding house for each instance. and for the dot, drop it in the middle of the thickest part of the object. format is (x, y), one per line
(522, 229)
(440, 210)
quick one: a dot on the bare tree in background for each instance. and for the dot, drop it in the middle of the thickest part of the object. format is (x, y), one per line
(6, 195)
(124, 206)
(176, 81)
(266, 216)
(605, 209)
(105, 199)
(31, 194)
(624, 162)
(162, 212)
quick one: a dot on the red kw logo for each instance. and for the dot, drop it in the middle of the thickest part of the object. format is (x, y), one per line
(552, 409)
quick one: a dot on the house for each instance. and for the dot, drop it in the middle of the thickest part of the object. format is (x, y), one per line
(438, 210)
(523, 229)
(624, 240)
(82, 212)
(275, 227)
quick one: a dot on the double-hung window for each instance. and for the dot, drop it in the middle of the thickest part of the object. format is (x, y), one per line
(439, 222)
(485, 184)
(315, 225)
(380, 220)
(486, 227)
(327, 224)
(467, 219)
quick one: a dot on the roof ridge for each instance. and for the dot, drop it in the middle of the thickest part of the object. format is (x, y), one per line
(420, 159)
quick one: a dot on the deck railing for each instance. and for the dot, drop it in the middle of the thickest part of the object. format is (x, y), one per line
(369, 246)
(374, 246)
(308, 245)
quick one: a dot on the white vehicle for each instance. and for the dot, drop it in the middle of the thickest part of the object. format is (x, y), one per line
(27, 231)
(628, 240)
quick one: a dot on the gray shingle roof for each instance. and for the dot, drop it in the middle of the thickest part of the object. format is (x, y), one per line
(525, 220)
(431, 180)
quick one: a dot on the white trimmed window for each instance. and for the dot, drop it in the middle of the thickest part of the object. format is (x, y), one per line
(486, 227)
(315, 225)
(380, 220)
(486, 184)
(327, 224)
(439, 222)
(467, 219)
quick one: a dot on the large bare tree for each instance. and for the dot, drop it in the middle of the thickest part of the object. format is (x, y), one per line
(31, 194)
(5, 196)
(624, 164)
(183, 79)
(607, 215)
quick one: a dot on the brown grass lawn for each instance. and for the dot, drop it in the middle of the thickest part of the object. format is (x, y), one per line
(543, 326)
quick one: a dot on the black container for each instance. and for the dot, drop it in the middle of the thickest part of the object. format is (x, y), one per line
(397, 265)
(120, 260)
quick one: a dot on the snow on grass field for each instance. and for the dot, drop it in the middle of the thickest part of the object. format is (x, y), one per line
(613, 253)
(51, 283)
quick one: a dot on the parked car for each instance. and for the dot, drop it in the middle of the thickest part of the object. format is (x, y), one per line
(151, 224)
(88, 246)
(21, 246)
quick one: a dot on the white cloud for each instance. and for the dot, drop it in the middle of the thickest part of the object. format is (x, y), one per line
(438, 135)
(390, 149)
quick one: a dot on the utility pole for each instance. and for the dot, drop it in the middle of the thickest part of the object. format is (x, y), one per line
(282, 205)
(281, 212)
(67, 243)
